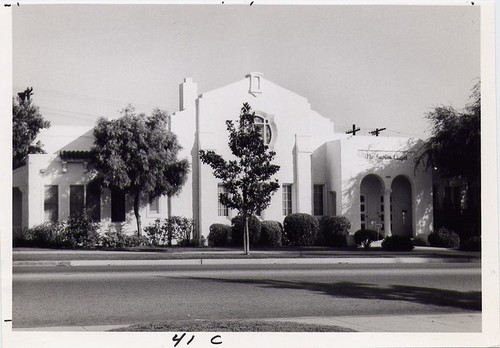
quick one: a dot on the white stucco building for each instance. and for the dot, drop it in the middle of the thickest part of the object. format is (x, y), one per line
(370, 180)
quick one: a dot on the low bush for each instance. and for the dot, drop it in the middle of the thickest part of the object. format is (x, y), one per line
(179, 228)
(271, 234)
(397, 243)
(238, 225)
(301, 229)
(444, 238)
(366, 237)
(333, 230)
(22, 237)
(219, 235)
(49, 234)
(155, 233)
(82, 231)
(118, 239)
(471, 244)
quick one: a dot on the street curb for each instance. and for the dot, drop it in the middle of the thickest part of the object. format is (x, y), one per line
(266, 261)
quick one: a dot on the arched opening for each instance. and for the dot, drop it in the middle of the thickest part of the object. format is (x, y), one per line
(402, 219)
(372, 203)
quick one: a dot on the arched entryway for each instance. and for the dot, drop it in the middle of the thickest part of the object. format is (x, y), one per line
(402, 219)
(372, 203)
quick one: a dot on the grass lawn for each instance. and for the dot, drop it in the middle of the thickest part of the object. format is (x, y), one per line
(232, 326)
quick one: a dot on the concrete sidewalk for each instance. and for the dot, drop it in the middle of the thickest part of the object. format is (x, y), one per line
(254, 261)
(455, 322)
(219, 256)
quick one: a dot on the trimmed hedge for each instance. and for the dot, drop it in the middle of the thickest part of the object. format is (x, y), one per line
(397, 243)
(333, 230)
(271, 233)
(301, 229)
(238, 226)
(366, 237)
(444, 238)
(219, 235)
(471, 244)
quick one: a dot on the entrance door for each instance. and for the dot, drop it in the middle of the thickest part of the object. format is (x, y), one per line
(402, 219)
(372, 203)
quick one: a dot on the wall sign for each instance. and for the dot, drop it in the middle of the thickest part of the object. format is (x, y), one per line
(384, 155)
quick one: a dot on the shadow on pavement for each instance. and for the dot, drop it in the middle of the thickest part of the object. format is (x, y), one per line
(470, 300)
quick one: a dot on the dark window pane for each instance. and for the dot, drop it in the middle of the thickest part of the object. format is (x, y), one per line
(117, 206)
(76, 199)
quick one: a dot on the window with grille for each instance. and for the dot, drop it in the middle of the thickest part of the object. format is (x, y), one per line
(318, 200)
(264, 128)
(222, 209)
(287, 199)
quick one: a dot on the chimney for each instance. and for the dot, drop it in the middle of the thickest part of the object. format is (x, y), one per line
(188, 92)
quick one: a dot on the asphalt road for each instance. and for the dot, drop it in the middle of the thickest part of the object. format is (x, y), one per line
(67, 296)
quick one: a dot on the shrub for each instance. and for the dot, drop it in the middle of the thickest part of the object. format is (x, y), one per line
(219, 235)
(271, 233)
(49, 234)
(471, 244)
(397, 243)
(155, 233)
(22, 237)
(301, 229)
(238, 225)
(366, 237)
(82, 231)
(118, 239)
(179, 228)
(333, 230)
(444, 238)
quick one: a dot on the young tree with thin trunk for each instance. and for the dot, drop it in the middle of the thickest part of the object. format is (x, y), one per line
(137, 154)
(247, 179)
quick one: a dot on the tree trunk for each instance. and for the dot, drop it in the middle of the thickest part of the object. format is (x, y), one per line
(246, 239)
(137, 215)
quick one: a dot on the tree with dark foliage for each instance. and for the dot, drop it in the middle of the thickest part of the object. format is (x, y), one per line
(137, 154)
(454, 150)
(26, 124)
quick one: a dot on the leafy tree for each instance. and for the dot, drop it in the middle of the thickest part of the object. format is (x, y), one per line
(454, 148)
(137, 154)
(247, 179)
(26, 124)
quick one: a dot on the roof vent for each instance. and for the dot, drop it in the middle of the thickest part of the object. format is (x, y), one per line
(255, 82)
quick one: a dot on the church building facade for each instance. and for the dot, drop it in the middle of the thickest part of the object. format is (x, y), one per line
(370, 180)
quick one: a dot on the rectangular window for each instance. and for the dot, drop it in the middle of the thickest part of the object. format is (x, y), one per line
(93, 203)
(318, 200)
(287, 199)
(76, 199)
(154, 206)
(117, 206)
(222, 209)
(51, 203)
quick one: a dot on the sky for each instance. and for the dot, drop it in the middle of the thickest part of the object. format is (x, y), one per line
(373, 66)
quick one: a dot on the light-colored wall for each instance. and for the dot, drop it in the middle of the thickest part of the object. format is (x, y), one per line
(297, 133)
(360, 156)
(47, 169)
